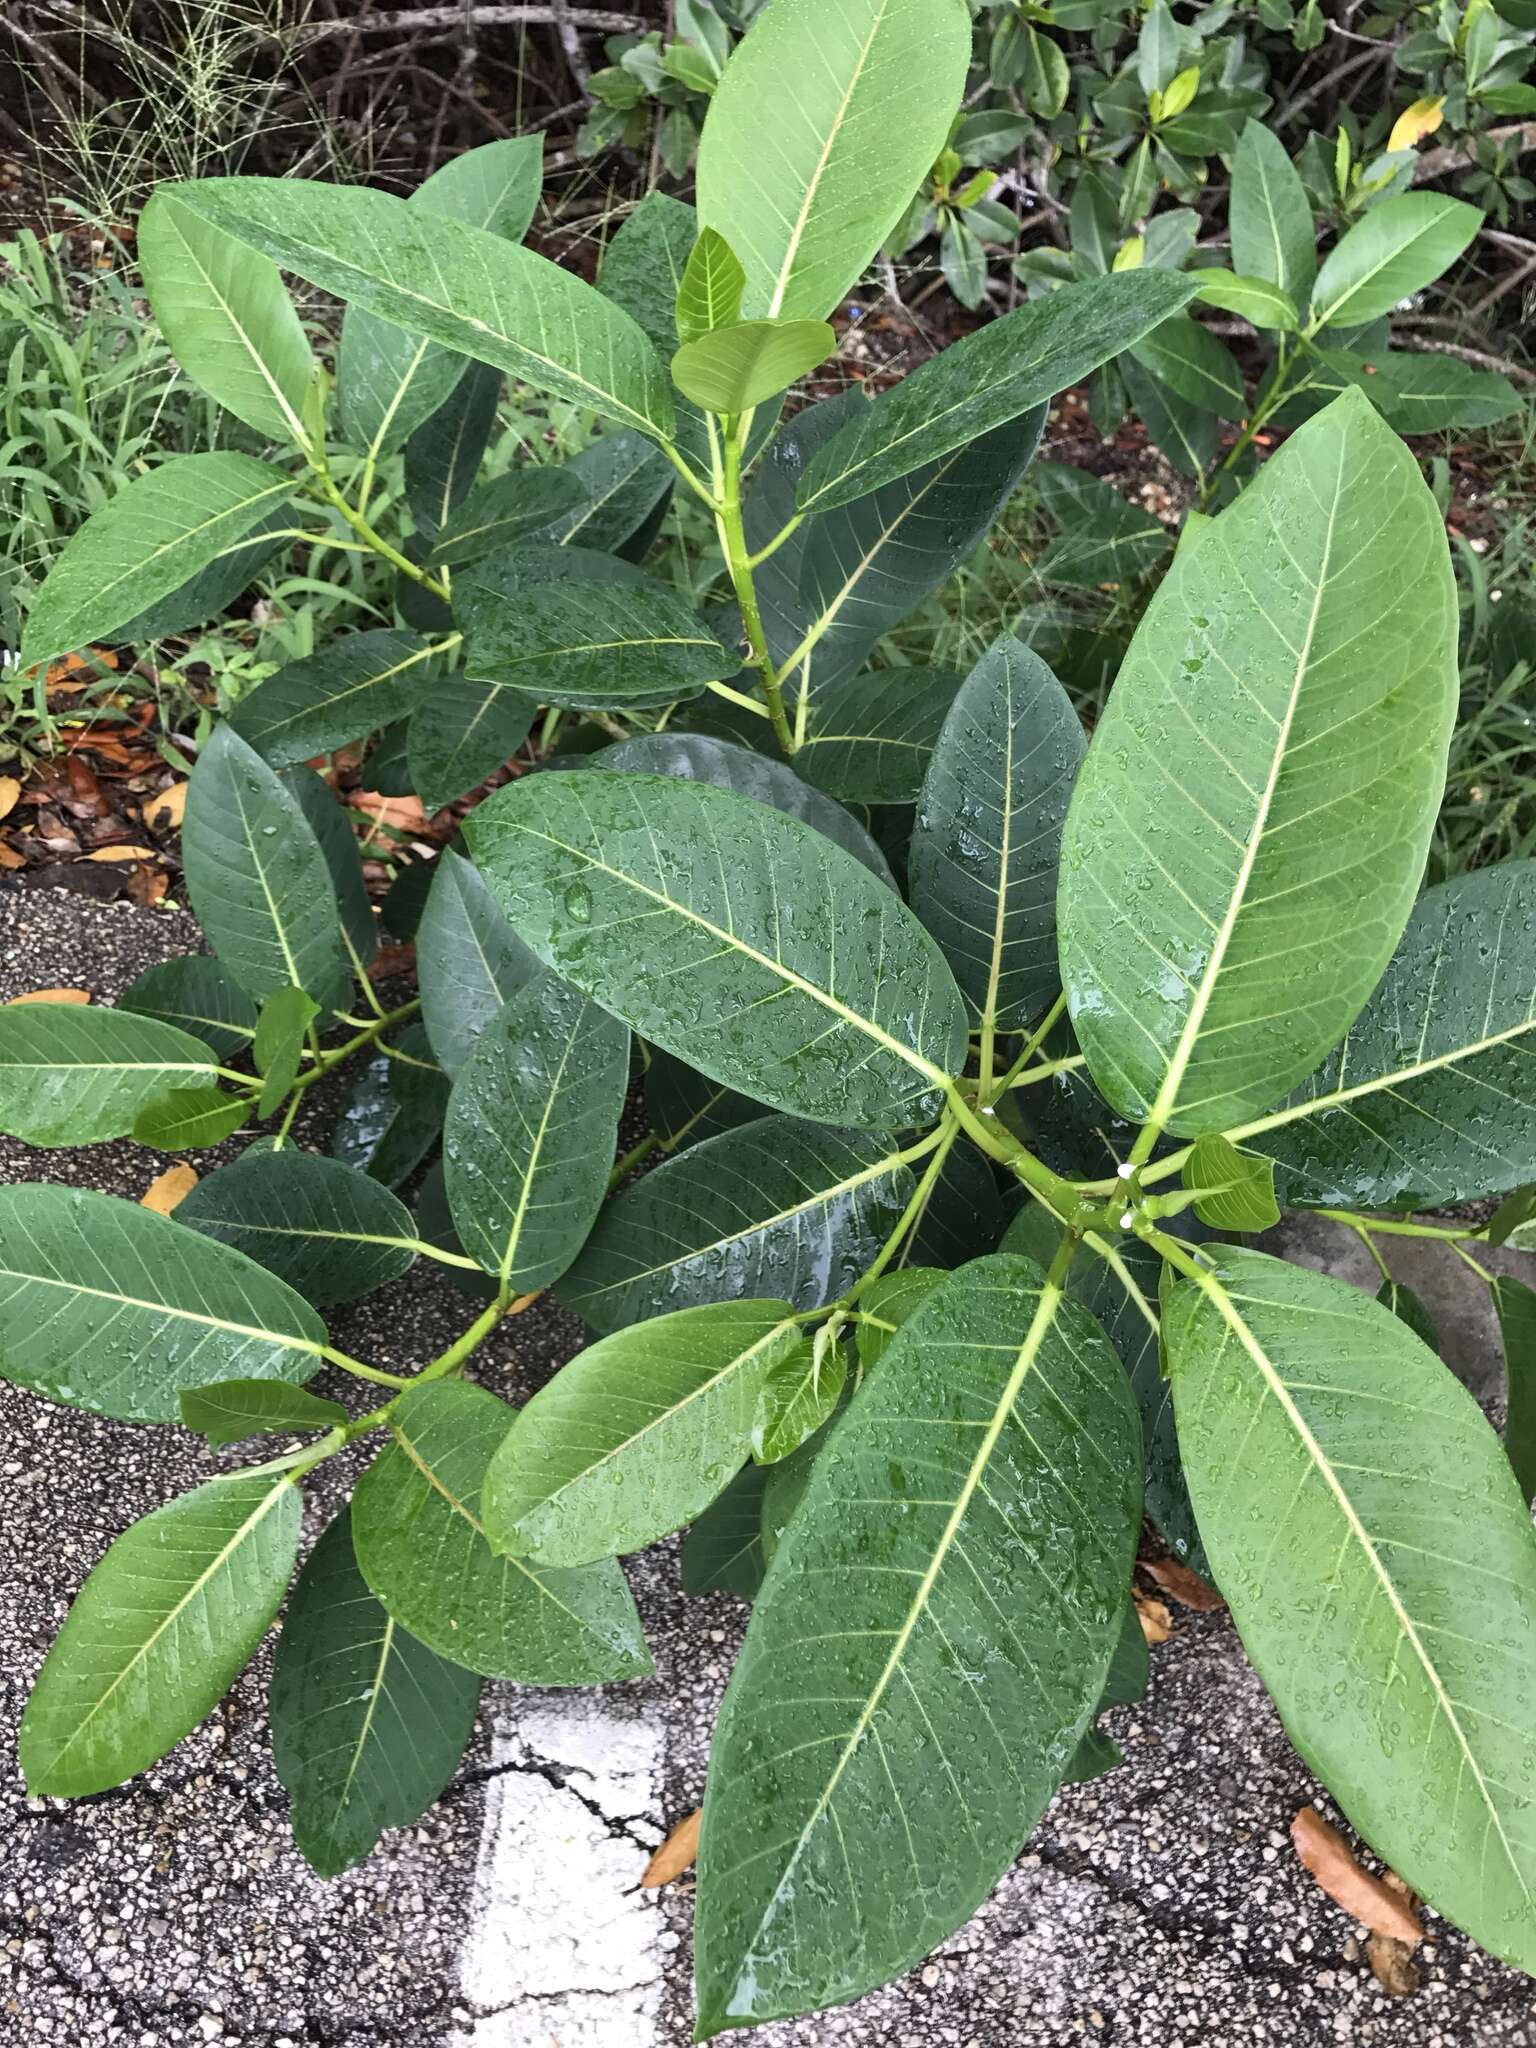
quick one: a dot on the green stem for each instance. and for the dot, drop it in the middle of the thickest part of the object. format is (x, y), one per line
(1389, 1227)
(330, 1060)
(631, 1159)
(942, 1146)
(333, 495)
(1278, 394)
(358, 1370)
(689, 476)
(1000, 1144)
(1047, 1069)
(756, 561)
(1052, 1016)
(450, 1360)
(733, 545)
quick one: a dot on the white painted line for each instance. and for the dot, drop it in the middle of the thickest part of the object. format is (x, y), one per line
(562, 1947)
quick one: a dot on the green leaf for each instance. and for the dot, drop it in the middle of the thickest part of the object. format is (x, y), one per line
(416, 1525)
(195, 994)
(285, 1018)
(1233, 1190)
(994, 375)
(963, 262)
(1414, 393)
(683, 1107)
(887, 1303)
(530, 1132)
(827, 117)
(1104, 538)
(1254, 299)
(389, 381)
(357, 927)
(109, 1307)
(189, 1118)
(1272, 868)
(865, 1023)
(1187, 434)
(915, 1663)
(226, 318)
(711, 291)
(1401, 245)
(229, 1411)
(782, 1208)
(636, 1436)
(212, 590)
(1157, 47)
(1272, 233)
(329, 1231)
(393, 1113)
(986, 845)
(443, 454)
(258, 879)
(1515, 1305)
(508, 509)
(1510, 1223)
(361, 682)
(368, 1725)
(158, 1633)
(469, 961)
(1190, 360)
(591, 644)
(723, 1551)
(626, 479)
(73, 1074)
(143, 544)
(736, 368)
(795, 1399)
(1431, 1097)
(1350, 1495)
(695, 757)
(1404, 1303)
(872, 736)
(463, 734)
(455, 284)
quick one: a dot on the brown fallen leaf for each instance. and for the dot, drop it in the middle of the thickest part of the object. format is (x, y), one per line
(10, 793)
(167, 1189)
(121, 853)
(52, 995)
(10, 858)
(1323, 1851)
(676, 1853)
(163, 813)
(1183, 1585)
(1392, 1965)
(149, 885)
(403, 813)
(1156, 1621)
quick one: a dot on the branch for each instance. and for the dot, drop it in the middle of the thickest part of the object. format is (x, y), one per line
(1434, 162)
(1479, 358)
(426, 19)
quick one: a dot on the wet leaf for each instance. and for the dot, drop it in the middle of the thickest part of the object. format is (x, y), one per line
(329, 1231)
(73, 1074)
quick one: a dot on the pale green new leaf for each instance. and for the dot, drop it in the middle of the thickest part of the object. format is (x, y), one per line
(636, 1436)
(469, 961)
(1233, 1190)
(420, 1542)
(226, 318)
(106, 1306)
(986, 845)
(1272, 232)
(1263, 783)
(231, 1410)
(844, 1012)
(826, 119)
(735, 368)
(929, 1646)
(796, 1398)
(1352, 1497)
(329, 1231)
(188, 1118)
(711, 291)
(258, 879)
(1401, 245)
(529, 1137)
(779, 1208)
(990, 377)
(144, 543)
(73, 1074)
(1255, 299)
(360, 682)
(368, 1725)
(456, 284)
(1431, 1097)
(158, 1633)
(278, 1047)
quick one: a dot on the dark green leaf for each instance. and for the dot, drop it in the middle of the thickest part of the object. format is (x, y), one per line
(636, 1436)
(196, 994)
(469, 961)
(1197, 367)
(1272, 233)
(684, 1107)
(585, 644)
(988, 833)
(258, 878)
(914, 1662)
(158, 1633)
(872, 736)
(1187, 434)
(73, 1074)
(361, 682)
(723, 1551)
(443, 455)
(626, 479)
(463, 734)
(422, 1550)
(368, 1725)
(331, 825)
(1515, 1305)
(392, 1115)
(331, 1232)
(229, 1411)
(781, 1208)
(1414, 393)
(1404, 1303)
(1350, 1494)
(1103, 539)
(865, 1024)
(529, 1136)
(109, 1307)
(510, 508)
